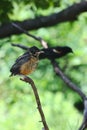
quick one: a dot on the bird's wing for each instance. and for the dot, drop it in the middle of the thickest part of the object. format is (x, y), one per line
(15, 69)
(22, 57)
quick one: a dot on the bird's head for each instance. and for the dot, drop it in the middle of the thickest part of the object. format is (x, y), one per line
(35, 51)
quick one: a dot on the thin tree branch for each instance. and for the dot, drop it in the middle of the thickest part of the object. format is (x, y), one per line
(84, 123)
(69, 14)
(70, 84)
(20, 46)
(25, 32)
(75, 88)
(31, 82)
(30, 35)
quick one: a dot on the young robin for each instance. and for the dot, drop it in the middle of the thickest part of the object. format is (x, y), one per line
(26, 63)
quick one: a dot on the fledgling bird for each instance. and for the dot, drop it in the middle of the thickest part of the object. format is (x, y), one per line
(26, 63)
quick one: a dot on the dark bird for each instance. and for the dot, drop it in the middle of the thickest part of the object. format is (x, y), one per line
(26, 63)
(55, 52)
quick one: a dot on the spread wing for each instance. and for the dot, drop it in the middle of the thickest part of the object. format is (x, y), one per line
(15, 69)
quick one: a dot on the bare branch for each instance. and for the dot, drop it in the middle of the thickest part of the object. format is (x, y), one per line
(74, 87)
(69, 14)
(70, 84)
(30, 35)
(25, 32)
(31, 82)
(84, 123)
(20, 46)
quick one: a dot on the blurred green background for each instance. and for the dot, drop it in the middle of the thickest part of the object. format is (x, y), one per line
(18, 109)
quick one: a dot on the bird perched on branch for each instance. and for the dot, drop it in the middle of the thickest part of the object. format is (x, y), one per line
(26, 63)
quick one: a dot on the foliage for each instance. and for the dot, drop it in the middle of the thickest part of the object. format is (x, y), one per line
(9, 8)
(17, 104)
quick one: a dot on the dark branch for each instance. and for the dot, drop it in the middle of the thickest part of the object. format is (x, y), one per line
(20, 46)
(70, 84)
(69, 14)
(25, 32)
(31, 82)
(74, 87)
(30, 35)
(84, 123)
